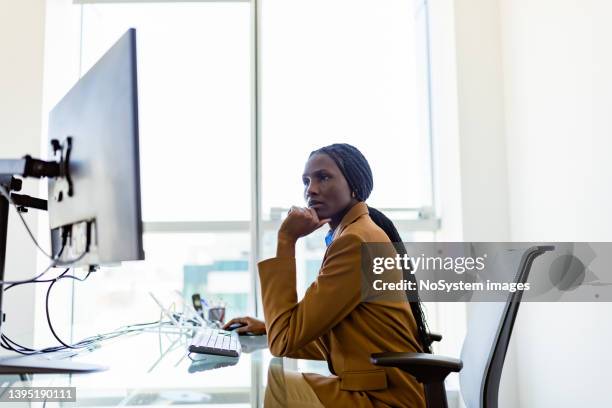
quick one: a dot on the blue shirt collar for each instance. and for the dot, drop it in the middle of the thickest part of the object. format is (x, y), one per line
(329, 237)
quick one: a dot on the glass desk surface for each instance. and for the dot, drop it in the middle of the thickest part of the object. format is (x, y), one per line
(153, 368)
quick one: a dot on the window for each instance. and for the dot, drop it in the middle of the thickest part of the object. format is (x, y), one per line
(194, 91)
(344, 71)
(313, 73)
(194, 97)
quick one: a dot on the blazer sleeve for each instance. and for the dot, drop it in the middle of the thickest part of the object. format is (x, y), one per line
(290, 324)
(309, 352)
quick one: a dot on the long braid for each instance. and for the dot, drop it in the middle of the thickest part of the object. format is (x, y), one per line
(358, 174)
(386, 225)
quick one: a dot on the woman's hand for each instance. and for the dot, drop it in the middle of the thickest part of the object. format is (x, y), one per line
(299, 223)
(251, 325)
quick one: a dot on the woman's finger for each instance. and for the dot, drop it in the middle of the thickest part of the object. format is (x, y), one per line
(295, 211)
(229, 323)
(243, 329)
(235, 320)
(313, 214)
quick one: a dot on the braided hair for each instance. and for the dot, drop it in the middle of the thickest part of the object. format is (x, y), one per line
(358, 174)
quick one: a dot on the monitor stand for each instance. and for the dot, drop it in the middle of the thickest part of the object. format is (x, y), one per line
(31, 364)
(37, 364)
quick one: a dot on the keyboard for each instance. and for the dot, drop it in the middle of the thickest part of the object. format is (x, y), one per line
(215, 341)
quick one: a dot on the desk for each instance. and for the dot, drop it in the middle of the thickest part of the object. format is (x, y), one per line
(152, 368)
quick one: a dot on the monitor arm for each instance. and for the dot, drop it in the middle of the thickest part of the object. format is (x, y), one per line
(31, 167)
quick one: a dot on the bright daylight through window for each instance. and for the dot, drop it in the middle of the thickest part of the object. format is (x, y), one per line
(365, 84)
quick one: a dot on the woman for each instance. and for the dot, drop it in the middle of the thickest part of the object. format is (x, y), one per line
(332, 322)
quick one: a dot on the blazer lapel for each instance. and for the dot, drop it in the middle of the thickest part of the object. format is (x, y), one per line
(355, 212)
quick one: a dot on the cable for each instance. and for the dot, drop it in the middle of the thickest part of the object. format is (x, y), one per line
(7, 343)
(24, 350)
(38, 281)
(87, 342)
(71, 261)
(51, 265)
(54, 259)
(26, 282)
(62, 276)
(7, 195)
(20, 282)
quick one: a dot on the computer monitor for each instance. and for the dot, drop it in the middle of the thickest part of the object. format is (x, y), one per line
(94, 180)
(95, 212)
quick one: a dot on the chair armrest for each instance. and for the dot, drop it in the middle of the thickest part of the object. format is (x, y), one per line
(434, 337)
(426, 368)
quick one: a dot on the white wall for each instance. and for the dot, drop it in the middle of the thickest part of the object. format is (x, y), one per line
(468, 119)
(484, 194)
(61, 71)
(558, 91)
(469, 146)
(532, 88)
(21, 75)
(482, 141)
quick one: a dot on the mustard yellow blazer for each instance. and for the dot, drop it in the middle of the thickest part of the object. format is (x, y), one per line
(333, 323)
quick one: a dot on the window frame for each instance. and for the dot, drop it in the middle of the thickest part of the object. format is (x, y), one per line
(425, 219)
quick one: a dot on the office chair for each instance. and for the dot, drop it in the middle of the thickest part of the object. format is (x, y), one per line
(484, 348)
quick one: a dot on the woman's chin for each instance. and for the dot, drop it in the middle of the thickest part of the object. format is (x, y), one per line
(322, 214)
(321, 211)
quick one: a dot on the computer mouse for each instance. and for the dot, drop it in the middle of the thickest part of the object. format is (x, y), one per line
(234, 326)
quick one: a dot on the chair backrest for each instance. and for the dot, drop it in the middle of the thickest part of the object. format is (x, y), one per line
(489, 329)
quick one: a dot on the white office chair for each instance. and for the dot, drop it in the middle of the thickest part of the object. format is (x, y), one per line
(484, 348)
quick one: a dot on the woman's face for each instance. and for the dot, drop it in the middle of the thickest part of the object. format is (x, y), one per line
(325, 188)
